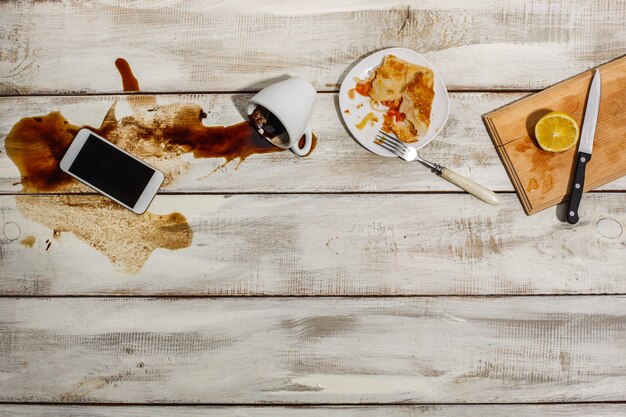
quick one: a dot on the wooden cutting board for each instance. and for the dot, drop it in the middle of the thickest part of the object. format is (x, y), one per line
(542, 179)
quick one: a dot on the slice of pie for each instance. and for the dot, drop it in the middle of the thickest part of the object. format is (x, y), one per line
(391, 78)
(407, 89)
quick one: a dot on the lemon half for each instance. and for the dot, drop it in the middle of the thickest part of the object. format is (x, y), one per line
(557, 132)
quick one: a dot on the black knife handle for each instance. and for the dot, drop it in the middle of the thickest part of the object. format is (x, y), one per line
(576, 192)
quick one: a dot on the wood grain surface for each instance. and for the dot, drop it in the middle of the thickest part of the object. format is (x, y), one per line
(451, 307)
(314, 350)
(47, 47)
(338, 163)
(530, 410)
(313, 245)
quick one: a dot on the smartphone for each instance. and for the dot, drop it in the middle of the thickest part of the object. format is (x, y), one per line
(112, 171)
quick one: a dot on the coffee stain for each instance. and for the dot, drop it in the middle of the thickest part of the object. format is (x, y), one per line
(36, 146)
(158, 134)
(129, 81)
(130, 84)
(160, 137)
(122, 236)
(28, 241)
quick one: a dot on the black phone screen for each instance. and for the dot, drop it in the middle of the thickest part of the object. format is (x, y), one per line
(115, 173)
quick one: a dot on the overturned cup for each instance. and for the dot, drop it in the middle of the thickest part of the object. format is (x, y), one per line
(282, 114)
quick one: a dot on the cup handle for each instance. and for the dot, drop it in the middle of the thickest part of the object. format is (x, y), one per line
(308, 142)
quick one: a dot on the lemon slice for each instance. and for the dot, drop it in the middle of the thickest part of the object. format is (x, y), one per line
(556, 132)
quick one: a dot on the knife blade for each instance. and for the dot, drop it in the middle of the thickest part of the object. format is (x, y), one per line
(585, 147)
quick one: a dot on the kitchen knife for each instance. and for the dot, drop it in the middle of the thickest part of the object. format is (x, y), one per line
(584, 148)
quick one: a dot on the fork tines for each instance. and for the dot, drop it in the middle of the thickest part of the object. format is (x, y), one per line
(391, 138)
(390, 143)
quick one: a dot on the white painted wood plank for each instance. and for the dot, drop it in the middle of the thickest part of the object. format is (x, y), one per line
(338, 164)
(311, 245)
(530, 410)
(52, 47)
(314, 350)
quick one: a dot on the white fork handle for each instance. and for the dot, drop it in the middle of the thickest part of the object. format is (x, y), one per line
(470, 186)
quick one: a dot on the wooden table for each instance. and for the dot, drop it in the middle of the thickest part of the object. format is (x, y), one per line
(341, 284)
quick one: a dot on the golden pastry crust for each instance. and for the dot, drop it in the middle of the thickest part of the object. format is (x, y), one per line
(404, 131)
(407, 89)
(391, 78)
(417, 101)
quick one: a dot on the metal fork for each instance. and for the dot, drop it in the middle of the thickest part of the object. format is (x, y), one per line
(408, 153)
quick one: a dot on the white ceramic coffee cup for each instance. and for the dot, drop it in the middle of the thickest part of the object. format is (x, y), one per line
(292, 102)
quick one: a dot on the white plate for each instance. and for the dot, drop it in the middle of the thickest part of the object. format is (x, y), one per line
(363, 70)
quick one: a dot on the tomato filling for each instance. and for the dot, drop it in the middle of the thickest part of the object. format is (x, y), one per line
(363, 88)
